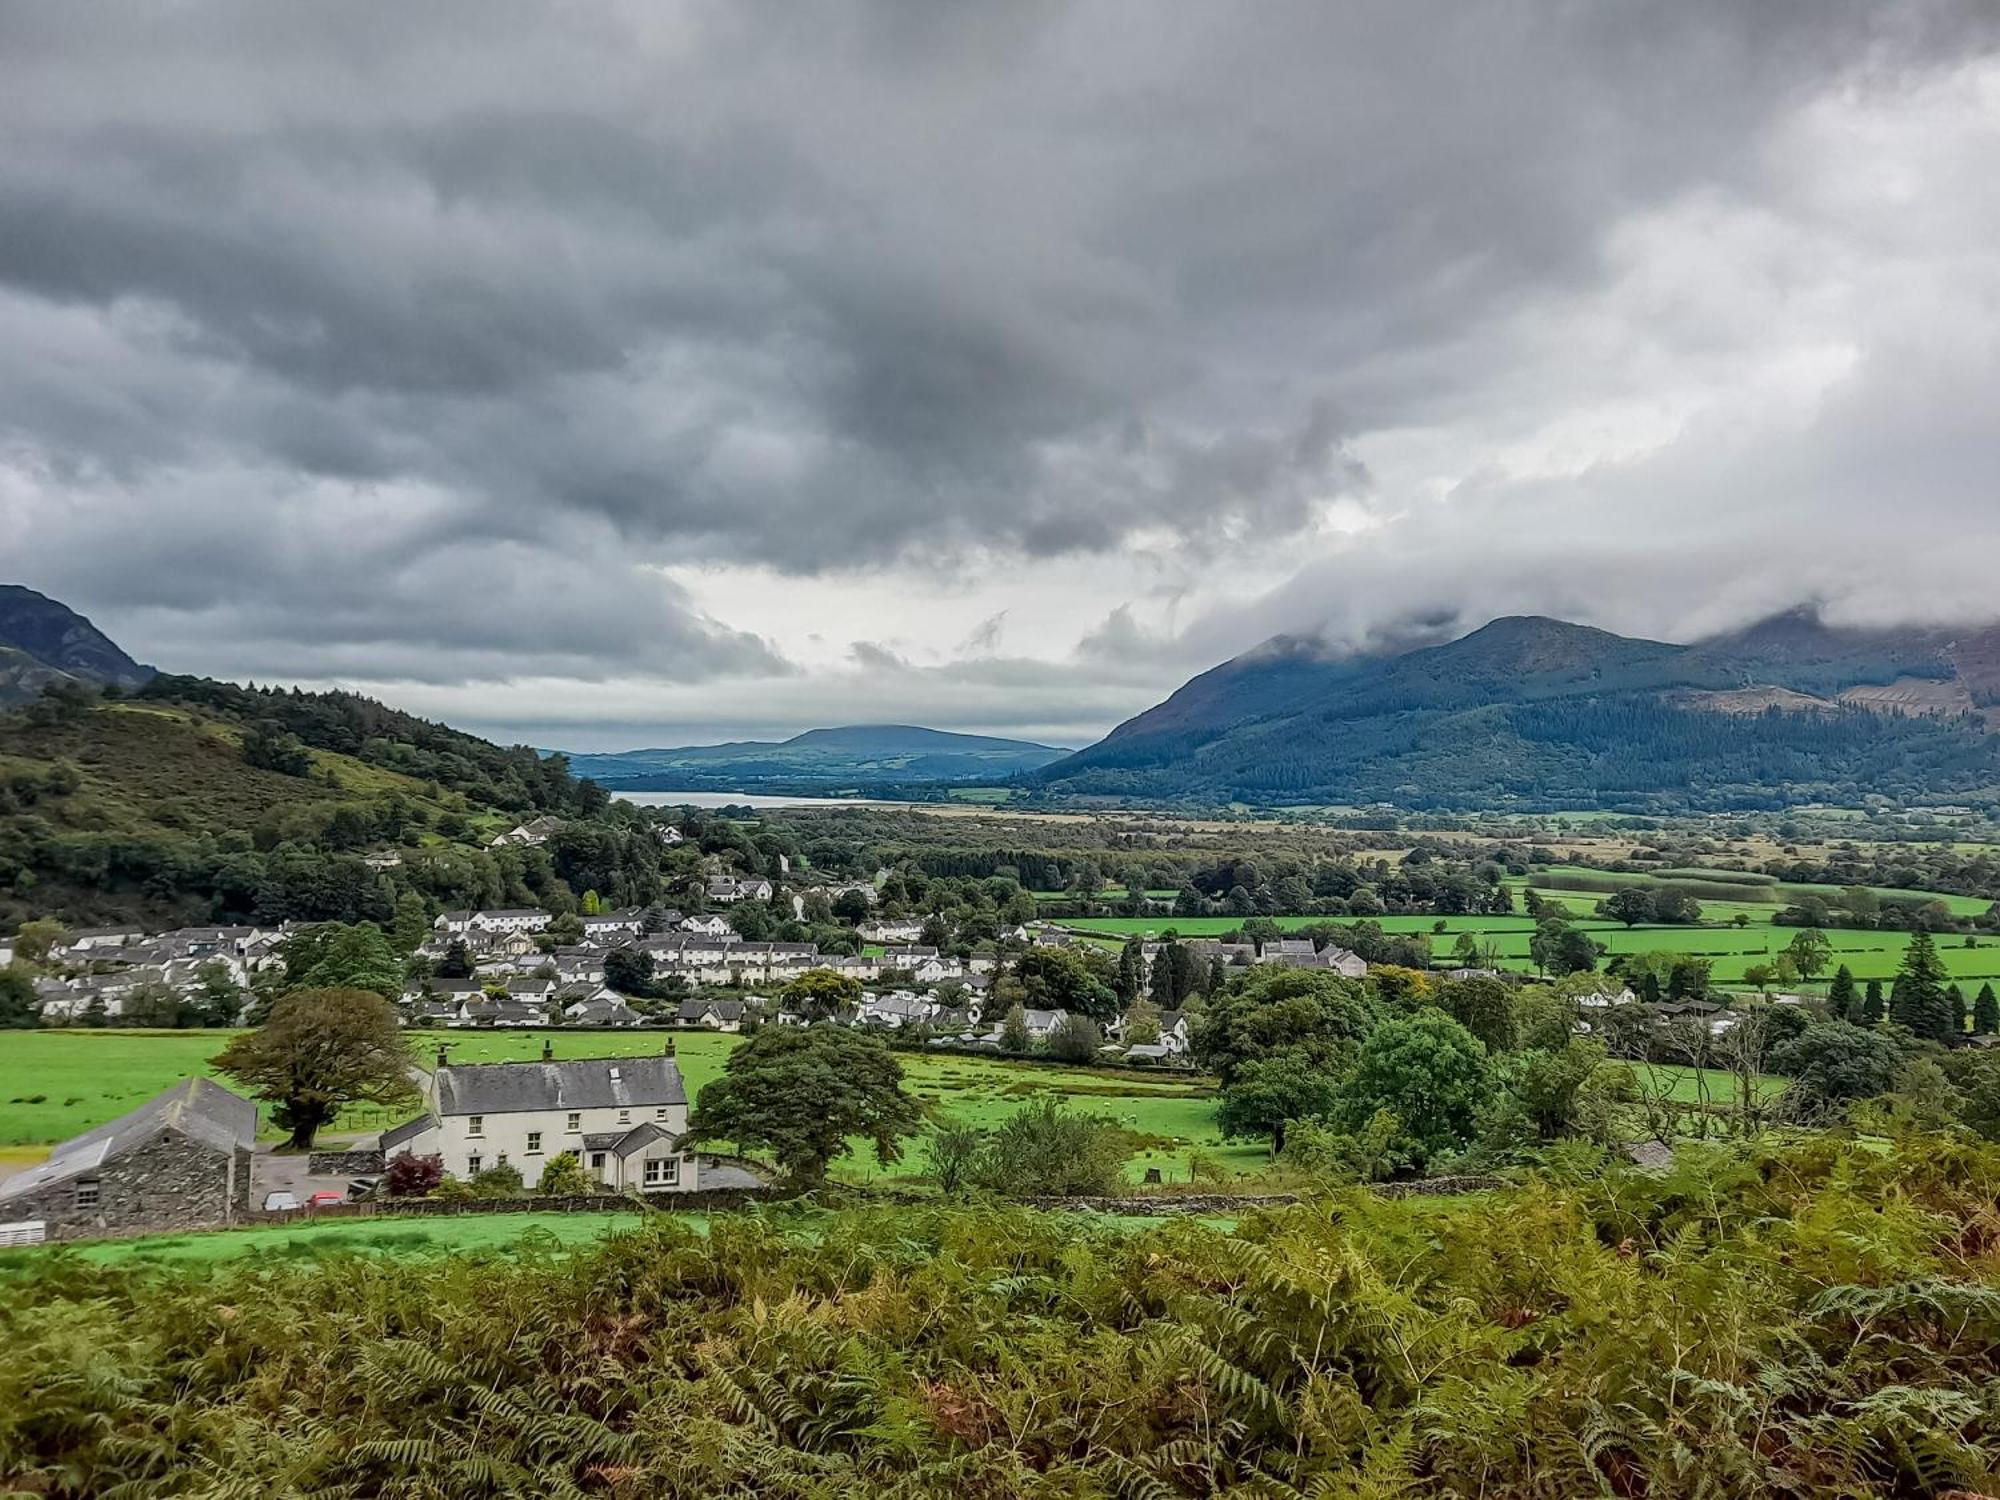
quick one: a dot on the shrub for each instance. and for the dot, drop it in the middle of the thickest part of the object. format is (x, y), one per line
(410, 1176)
(565, 1176)
(1047, 1149)
(498, 1182)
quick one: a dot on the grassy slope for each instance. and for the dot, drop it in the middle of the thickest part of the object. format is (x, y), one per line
(156, 768)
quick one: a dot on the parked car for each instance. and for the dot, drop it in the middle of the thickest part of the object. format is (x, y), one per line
(281, 1203)
(324, 1198)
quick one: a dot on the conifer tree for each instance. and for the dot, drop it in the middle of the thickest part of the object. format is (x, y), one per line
(1985, 1012)
(1871, 1005)
(1918, 999)
(1956, 999)
(1841, 998)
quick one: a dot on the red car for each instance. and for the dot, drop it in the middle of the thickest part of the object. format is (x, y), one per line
(323, 1198)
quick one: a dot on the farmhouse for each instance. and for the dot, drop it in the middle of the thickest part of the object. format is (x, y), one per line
(181, 1160)
(623, 1116)
(727, 889)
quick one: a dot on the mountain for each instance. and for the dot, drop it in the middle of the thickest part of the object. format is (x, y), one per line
(853, 755)
(1536, 712)
(44, 642)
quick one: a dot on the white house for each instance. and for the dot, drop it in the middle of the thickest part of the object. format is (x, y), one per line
(530, 834)
(503, 921)
(711, 1015)
(727, 889)
(624, 1117)
(708, 926)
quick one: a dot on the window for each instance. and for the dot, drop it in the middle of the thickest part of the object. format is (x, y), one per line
(663, 1172)
(624, 1117)
(86, 1192)
(475, 1124)
(472, 1165)
(574, 1123)
(534, 1143)
(597, 1161)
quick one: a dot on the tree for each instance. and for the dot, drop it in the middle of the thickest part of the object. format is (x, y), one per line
(1075, 1040)
(1046, 1148)
(1142, 1023)
(1014, 1031)
(1955, 1003)
(339, 956)
(1842, 998)
(18, 1010)
(800, 1093)
(1632, 905)
(1064, 979)
(319, 1051)
(1131, 972)
(629, 971)
(1810, 952)
(1831, 1065)
(457, 960)
(1550, 1087)
(1271, 1010)
(1268, 1093)
(1428, 1071)
(1558, 948)
(1871, 1004)
(821, 994)
(34, 940)
(950, 1154)
(565, 1176)
(1985, 1012)
(1484, 1007)
(1918, 1000)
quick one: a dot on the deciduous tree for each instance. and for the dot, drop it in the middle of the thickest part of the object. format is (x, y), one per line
(320, 1051)
(801, 1093)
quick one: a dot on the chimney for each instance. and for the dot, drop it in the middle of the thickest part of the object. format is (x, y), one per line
(441, 1058)
(548, 1049)
(670, 1046)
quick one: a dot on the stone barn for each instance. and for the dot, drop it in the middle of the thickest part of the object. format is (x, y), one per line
(179, 1161)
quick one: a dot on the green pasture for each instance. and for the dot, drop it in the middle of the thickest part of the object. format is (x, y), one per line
(458, 1234)
(55, 1084)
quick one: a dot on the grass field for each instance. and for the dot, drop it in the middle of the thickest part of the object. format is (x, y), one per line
(54, 1084)
(458, 1234)
(1871, 955)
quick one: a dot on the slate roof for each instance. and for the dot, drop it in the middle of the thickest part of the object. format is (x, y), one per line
(586, 1083)
(409, 1130)
(196, 1108)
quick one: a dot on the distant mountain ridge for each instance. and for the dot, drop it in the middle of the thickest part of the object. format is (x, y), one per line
(842, 756)
(43, 642)
(1541, 712)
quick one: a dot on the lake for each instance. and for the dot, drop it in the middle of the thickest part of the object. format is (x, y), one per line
(738, 799)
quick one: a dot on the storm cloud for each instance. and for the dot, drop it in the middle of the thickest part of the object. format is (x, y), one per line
(709, 368)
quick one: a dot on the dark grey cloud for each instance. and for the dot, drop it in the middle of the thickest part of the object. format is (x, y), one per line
(413, 342)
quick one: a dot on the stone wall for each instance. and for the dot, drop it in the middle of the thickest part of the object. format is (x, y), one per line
(1211, 1205)
(706, 1200)
(169, 1182)
(344, 1163)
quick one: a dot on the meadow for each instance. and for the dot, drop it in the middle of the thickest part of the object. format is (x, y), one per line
(1732, 949)
(54, 1084)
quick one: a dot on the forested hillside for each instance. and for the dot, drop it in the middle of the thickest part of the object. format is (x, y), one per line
(198, 801)
(852, 756)
(1542, 714)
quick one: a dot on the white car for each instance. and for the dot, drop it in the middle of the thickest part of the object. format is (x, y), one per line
(280, 1202)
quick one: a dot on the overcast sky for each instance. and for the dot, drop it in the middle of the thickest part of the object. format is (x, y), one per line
(638, 374)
